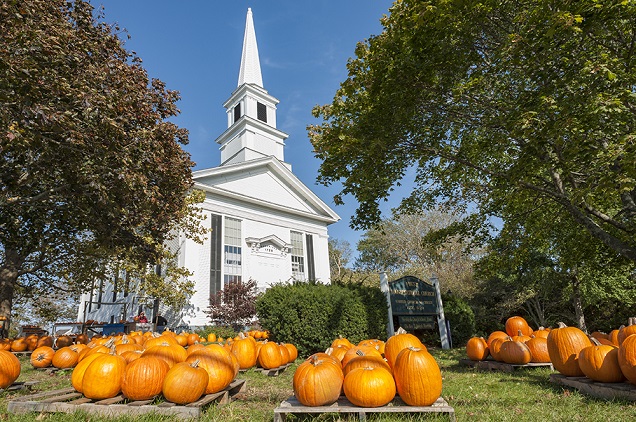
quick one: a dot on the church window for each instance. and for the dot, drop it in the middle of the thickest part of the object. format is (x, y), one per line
(237, 112)
(261, 112)
(232, 251)
(297, 256)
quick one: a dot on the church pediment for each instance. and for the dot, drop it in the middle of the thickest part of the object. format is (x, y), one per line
(266, 182)
(271, 245)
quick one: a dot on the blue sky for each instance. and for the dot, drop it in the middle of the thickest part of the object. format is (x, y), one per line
(195, 47)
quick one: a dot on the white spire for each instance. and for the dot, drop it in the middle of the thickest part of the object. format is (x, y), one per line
(250, 72)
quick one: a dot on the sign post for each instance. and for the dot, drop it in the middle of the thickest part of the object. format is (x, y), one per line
(417, 305)
(384, 287)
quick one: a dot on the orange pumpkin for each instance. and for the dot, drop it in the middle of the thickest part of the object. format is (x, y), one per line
(102, 378)
(218, 364)
(477, 348)
(185, 383)
(564, 345)
(515, 352)
(417, 377)
(515, 324)
(317, 382)
(269, 356)
(9, 368)
(42, 357)
(143, 378)
(65, 358)
(600, 363)
(398, 342)
(538, 349)
(627, 358)
(369, 387)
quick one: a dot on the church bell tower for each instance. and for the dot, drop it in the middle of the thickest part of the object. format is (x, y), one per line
(251, 111)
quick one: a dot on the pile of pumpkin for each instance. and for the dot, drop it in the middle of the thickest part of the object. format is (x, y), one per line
(599, 356)
(370, 373)
(33, 341)
(141, 366)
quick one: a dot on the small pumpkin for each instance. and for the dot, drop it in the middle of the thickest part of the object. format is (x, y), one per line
(477, 348)
(627, 358)
(269, 356)
(538, 349)
(65, 358)
(42, 357)
(515, 324)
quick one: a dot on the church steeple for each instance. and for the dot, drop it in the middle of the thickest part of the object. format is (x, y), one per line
(251, 111)
(250, 72)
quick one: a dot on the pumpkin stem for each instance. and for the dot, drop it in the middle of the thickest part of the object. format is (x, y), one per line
(329, 350)
(400, 331)
(195, 363)
(595, 341)
(359, 352)
(561, 325)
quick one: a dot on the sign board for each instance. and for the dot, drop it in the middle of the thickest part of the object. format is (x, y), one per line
(417, 322)
(412, 296)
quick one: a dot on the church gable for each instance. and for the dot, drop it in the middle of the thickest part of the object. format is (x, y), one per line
(265, 181)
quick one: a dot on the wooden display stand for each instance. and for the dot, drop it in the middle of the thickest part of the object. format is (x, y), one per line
(602, 390)
(493, 365)
(293, 406)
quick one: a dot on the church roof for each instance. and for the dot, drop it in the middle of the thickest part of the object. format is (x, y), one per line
(250, 72)
(266, 183)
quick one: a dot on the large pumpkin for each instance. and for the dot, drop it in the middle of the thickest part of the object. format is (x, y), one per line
(143, 378)
(269, 356)
(600, 363)
(317, 382)
(171, 353)
(218, 364)
(366, 361)
(185, 383)
(564, 345)
(625, 332)
(417, 377)
(9, 368)
(102, 378)
(369, 387)
(627, 358)
(77, 377)
(398, 342)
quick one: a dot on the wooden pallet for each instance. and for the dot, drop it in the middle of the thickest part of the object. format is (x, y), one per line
(342, 405)
(493, 365)
(22, 354)
(274, 372)
(20, 386)
(602, 390)
(68, 400)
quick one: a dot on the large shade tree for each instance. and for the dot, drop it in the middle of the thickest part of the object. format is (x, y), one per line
(91, 169)
(514, 108)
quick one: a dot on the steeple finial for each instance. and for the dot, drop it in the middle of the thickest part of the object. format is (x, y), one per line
(250, 64)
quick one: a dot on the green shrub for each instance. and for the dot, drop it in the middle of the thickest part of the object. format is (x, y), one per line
(219, 330)
(312, 315)
(461, 319)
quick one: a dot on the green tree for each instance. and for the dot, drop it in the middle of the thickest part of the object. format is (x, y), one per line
(513, 108)
(91, 169)
(405, 245)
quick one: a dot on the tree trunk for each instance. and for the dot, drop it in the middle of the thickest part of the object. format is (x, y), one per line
(8, 277)
(578, 305)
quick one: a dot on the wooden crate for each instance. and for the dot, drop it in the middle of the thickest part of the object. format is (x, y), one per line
(68, 400)
(20, 386)
(493, 365)
(602, 390)
(293, 406)
(274, 372)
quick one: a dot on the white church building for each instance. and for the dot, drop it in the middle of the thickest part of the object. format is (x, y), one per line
(265, 224)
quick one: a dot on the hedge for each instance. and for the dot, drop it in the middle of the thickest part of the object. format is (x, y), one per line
(312, 315)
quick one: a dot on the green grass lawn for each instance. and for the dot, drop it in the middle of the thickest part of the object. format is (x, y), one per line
(523, 395)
